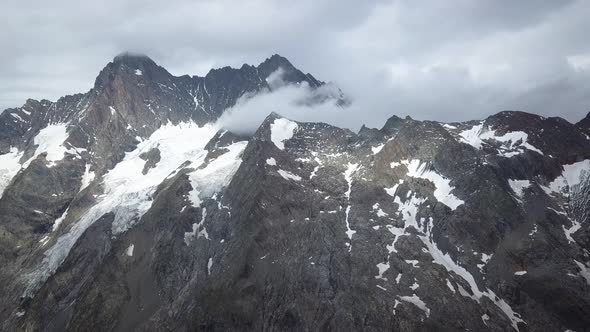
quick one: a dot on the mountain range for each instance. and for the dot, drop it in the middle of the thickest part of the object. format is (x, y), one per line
(131, 207)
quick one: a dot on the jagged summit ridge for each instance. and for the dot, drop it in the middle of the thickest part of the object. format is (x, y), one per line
(133, 96)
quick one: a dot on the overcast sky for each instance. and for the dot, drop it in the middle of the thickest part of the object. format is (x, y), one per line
(440, 60)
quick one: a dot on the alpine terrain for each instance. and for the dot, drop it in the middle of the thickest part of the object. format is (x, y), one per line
(131, 207)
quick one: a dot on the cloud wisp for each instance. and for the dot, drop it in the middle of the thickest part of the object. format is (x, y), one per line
(294, 101)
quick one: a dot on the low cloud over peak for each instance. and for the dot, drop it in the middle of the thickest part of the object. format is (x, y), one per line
(297, 101)
(430, 59)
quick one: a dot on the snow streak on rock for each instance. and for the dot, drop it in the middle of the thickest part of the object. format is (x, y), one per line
(87, 178)
(288, 175)
(409, 211)
(445, 260)
(348, 173)
(316, 168)
(59, 220)
(198, 229)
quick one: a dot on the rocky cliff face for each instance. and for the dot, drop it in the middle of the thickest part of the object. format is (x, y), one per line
(130, 208)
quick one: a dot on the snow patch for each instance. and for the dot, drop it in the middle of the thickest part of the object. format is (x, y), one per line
(380, 213)
(450, 285)
(448, 126)
(16, 116)
(129, 251)
(50, 140)
(514, 142)
(415, 300)
(282, 130)
(391, 191)
(443, 189)
(138, 72)
(471, 136)
(87, 178)
(533, 231)
(271, 161)
(584, 271)
(518, 186)
(288, 175)
(571, 178)
(217, 174)
(44, 240)
(397, 232)
(571, 230)
(408, 211)
(316, 169)
(348, 173)
(9, 167)
(377, 149)
(383, 267)
(59, 220)
(190, 236)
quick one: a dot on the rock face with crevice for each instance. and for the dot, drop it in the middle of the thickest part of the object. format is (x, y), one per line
(148, 215)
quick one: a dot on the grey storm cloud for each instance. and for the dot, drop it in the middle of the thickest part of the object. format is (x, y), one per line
(441, 60)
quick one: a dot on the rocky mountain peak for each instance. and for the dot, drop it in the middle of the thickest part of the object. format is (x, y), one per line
(392, 125)
(131, 58)
(129, 67)
(585, 122)
(277, 61)
(290, 73)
